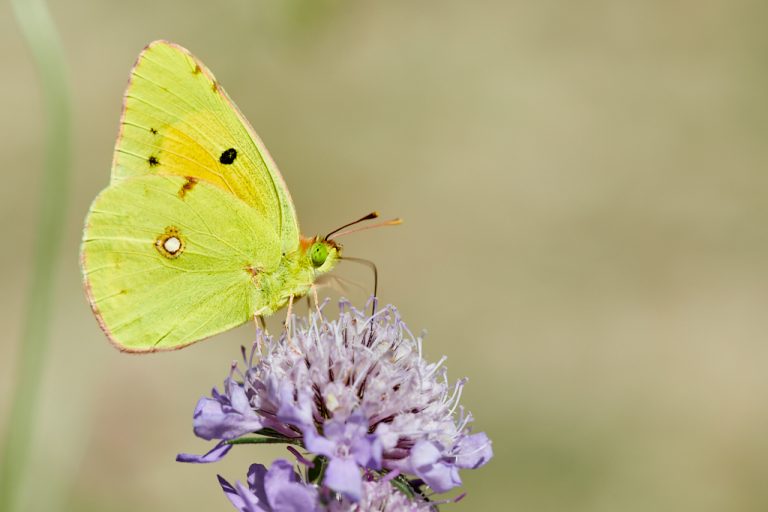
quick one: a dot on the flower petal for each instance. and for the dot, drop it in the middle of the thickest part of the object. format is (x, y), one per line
(343, 475)
(367, 451)
(474, 451)
(214, 420)
(424, 453)
(298, 412)
(215, 454)
(440, 477)
(238, 398)
(240, 497)
(318, 444)
(284, 491)
(427, 464)
(256, 475)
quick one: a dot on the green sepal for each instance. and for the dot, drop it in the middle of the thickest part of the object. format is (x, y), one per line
(402, 484)
(317, 471)
(264, 440)
(268, 432)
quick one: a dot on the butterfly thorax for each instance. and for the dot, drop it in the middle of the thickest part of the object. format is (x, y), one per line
(295, 274)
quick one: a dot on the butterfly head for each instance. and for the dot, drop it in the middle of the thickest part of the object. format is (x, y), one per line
(323, 254)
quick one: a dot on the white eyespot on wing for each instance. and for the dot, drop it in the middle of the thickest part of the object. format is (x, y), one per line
(172, 244)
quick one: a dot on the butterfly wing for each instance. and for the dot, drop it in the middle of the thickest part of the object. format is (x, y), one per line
(170, 260)
(178, 120)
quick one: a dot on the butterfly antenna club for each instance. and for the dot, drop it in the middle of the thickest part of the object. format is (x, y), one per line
(369, 216)
(338, 232)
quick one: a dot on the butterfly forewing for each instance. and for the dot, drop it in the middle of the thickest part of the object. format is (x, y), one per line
(177, 120)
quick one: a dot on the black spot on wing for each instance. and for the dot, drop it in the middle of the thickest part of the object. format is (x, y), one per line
(228, 156)
(153, 131)
(153, 161)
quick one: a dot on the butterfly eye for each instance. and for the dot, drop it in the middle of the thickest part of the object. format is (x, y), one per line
(318, 253)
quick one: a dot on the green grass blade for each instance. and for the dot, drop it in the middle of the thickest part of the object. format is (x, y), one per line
(40, 33)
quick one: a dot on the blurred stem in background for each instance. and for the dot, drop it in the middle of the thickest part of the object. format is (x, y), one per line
(38, 29)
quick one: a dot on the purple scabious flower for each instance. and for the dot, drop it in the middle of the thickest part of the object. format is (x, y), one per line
(356, 393)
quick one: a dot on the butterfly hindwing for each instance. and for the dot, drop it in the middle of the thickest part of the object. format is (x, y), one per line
(169, 260)
(177, 120)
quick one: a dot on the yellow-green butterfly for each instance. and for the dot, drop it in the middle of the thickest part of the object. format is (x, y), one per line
(196, 232)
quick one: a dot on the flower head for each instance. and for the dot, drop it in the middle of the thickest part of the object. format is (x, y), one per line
(355, 391)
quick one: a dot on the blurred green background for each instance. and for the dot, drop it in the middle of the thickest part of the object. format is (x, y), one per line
(585, 188)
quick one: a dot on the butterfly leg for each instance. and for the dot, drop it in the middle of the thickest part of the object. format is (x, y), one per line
(259, 322)
(289, 324)
(288, 314)
(317, 300)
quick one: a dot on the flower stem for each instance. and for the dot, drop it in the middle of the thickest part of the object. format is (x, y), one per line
(41, 35)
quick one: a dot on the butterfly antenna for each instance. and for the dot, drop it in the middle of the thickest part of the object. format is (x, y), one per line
(370, 216)
(372, 266)
(391, 222)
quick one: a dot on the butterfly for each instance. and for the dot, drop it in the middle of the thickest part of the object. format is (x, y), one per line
(196, 232)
